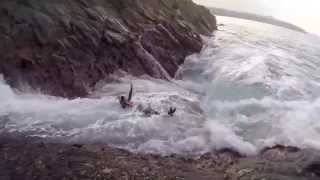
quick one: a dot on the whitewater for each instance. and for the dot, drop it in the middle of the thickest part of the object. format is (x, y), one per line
(252, 86)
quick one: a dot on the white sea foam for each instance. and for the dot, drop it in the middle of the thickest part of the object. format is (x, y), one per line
(252, 86)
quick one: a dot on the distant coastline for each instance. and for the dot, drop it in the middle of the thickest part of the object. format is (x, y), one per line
(255, 17)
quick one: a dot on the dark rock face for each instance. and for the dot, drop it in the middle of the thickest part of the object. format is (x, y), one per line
(65, 47)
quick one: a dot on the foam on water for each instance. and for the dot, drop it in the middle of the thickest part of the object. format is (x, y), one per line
(101, 120)
(253, 85)
(262, 82)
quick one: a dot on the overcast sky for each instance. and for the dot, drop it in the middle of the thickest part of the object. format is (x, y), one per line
(304, 13)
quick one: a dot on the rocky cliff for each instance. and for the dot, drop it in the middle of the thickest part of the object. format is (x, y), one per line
(64, 47)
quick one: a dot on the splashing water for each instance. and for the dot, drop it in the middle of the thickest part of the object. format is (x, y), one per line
(262, 82)
(253, 85)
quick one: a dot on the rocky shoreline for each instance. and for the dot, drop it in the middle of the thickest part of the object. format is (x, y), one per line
(64, 48)
(26, 158)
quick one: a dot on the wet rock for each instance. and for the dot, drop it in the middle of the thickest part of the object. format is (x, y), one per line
(28, 161)
(65, 47)
(313, 168)
(41, 145)
(23, 159)
(77, 145)
(91, 164)
(278, 163)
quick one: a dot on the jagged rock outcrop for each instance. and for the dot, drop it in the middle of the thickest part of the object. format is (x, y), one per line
(64, 47)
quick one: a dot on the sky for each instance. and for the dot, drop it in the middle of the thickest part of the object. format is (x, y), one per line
(304, 13)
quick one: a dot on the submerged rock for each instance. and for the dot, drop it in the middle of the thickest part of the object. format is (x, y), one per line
(65, 47)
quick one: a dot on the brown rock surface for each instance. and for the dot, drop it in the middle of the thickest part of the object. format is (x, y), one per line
(64, 47)
(28, 159)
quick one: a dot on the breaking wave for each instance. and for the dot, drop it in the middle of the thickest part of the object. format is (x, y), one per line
(253, 85)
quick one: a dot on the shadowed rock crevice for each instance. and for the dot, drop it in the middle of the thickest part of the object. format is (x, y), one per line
(65, 47)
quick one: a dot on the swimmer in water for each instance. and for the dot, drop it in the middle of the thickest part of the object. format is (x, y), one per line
(171, 111)
(126, 102)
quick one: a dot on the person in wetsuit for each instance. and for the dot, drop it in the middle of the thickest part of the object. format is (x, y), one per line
(171, 111)
(126, 102)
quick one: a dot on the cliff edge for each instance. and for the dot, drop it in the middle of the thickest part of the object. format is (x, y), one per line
(64, 47)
